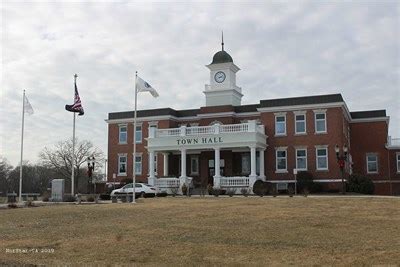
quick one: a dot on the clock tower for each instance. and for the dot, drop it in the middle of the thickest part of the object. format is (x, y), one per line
(222, 89)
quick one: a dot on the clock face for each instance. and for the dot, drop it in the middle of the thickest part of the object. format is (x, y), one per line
(219, 77)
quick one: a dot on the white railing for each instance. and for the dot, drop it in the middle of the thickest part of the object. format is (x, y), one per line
(393, 141)
(199, 130)
(248, 127)
(234, 128)
(170, 182)
(168, 132)
(237, 181)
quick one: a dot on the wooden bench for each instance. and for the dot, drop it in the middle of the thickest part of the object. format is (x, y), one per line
(124, 197)
(95, 196)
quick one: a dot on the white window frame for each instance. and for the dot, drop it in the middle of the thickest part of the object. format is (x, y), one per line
(316, 158)
(279, 149)
(141, 133)
(300, 113)
(376, 161)
(119, 163)
(141, 164)
(276, 122)
(318, 112)
(398, 162)
(196, 159)
(119, 133)
(306, 157)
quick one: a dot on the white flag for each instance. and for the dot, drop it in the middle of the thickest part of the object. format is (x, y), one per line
(143, 86)
(27, 106)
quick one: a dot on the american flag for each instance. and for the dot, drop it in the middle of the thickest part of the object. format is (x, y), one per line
(77, 106)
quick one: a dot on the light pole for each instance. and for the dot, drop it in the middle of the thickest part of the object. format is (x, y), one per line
(90, 163)
(341, 159)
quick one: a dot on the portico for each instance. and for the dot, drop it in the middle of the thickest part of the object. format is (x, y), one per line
(245, 137)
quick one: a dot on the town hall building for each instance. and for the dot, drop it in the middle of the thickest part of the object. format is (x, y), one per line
(229, 145)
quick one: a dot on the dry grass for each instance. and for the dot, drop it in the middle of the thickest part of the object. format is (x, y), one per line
(211, 231)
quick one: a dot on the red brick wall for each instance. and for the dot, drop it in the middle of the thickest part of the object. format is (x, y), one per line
(334, 135)
(364, 137)
(114, 148)
(369, 137)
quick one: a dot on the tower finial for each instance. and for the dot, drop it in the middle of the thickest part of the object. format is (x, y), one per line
(222, 41)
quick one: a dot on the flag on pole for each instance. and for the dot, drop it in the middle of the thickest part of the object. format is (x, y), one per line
(143, 86)
(27, 106)
(77, 106)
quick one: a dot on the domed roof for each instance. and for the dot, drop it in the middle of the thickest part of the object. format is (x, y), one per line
(221, 57)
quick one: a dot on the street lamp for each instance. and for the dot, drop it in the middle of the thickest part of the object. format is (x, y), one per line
(90, 163)
(341, 160)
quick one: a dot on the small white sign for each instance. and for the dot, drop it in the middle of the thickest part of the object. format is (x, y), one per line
(294, 171)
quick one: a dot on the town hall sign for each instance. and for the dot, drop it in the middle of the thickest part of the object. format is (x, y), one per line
(203, 140)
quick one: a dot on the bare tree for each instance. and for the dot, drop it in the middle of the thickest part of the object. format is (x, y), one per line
(5, 169)
(60, 158)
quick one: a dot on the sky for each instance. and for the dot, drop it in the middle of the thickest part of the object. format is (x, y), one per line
(284, 49)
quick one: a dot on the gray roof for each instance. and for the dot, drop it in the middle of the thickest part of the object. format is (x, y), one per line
(368, 114)
(293, 101)
(153, 112)
(304, 100)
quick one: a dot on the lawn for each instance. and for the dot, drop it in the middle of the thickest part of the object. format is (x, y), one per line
(209, 231)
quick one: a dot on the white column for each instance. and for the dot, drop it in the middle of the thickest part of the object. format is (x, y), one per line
(183, 178)
(253, 174)
(253, 161)
(262, 169)
(152, 178)
(165, 164)
(183, 162)
(217, 175)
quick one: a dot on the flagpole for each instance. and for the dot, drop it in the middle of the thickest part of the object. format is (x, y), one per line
(134, 144)
(22, 147)
(73, 148)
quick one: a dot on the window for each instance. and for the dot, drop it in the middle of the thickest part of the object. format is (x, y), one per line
(372, 163)
(281, 160)
(138, 134)
(398, 162)
(121, 164)
(127, 186)
(122, 134)
(300, 123)
(322, 158)
(281, 186)
(194, 165)
(301, 159)
(138, 165)
(320, 122)
(280, 124)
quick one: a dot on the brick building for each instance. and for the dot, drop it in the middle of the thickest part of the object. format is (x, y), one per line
(227, 144)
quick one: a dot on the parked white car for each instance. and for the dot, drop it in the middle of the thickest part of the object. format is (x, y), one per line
(141, 190)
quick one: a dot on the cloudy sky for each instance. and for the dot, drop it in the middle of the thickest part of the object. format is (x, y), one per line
(284, 49)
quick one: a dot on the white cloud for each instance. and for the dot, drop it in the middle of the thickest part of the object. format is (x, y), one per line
(283, 50)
